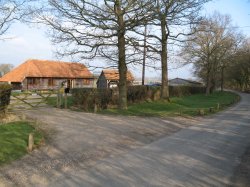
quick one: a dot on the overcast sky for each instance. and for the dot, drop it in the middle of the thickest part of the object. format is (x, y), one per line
(32, 43)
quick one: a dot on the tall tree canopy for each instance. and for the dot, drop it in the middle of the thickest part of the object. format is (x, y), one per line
(171, 20)
(90, 29)
(209, 48)
(5, 68)
(237, 74)
(10, 11)
(111, 29)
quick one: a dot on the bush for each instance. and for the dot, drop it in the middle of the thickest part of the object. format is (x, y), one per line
(179, 91)
(143, 93)
(137, 93)
(88, 98)
(5, 92)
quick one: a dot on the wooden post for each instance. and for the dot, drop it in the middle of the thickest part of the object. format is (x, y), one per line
(65, 101)
(95, 108)
(31, 142)
(57, 101)
(211, 109)
(201, 112)
(218, 106)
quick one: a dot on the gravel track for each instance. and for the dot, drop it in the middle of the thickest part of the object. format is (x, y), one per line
(79, 141)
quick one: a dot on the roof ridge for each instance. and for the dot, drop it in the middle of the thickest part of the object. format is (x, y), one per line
(46, 68)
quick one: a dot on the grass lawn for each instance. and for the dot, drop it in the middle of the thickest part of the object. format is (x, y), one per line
(187, 105)
(14, 140)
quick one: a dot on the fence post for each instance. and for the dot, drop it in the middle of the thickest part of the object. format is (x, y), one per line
(65, 101)
(57, 99)
(201, 112)
(31, 142)
(218, 106)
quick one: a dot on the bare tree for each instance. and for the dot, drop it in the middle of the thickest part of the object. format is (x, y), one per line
(171, 20)
(5, 68)
(210, 47)
(144, 54)
(237, 74)
(10, 11)
(97, 29)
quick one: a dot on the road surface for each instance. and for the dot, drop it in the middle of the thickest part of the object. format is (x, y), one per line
(204, 154)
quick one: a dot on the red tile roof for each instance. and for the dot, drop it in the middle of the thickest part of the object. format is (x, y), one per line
(46, 68)
(113, 74)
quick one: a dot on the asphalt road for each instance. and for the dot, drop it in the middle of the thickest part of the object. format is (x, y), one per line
(201, 155)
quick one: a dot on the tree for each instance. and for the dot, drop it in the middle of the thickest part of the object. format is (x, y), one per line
(209, 48)
(97, 29)
(5, 68)
(237, 75)
(10, 11)
(171, 19)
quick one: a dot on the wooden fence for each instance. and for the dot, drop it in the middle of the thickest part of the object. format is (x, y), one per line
(29, 100)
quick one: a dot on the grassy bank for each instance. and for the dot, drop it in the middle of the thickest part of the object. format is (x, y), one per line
(187, 105)
(14, 140)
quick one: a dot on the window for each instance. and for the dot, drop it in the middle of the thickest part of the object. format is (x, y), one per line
(86, 82)
(51, 82)
(36, 81)
(31, 81)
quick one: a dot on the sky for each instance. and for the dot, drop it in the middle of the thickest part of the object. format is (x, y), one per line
(28, 42)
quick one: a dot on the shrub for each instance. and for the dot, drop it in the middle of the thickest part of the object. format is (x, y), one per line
(88, 98)
(104, 97)
(5, 92)
(179, 91)
(143, 93)
(137, 93)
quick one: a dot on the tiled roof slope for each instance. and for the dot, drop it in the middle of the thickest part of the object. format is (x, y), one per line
(113, 74)
(46, 68)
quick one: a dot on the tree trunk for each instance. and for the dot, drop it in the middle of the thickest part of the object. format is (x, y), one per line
(222, 79)
(144, 55)
(122, 58)
(164, 61)
(208, 76)
(208, 83)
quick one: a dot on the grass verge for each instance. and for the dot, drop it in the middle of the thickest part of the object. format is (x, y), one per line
(186, 106)
(52, 101)
(14, 140)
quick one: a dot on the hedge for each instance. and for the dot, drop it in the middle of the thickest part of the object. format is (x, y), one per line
(5, 92)
(179, 91)
(89, 98)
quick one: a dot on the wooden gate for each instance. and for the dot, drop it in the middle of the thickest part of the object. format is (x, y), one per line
(30, 100)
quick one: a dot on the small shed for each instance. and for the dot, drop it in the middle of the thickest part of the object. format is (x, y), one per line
(109, 78)
(184, 82)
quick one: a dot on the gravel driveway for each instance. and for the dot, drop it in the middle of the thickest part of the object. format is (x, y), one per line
(96, 151)
(78, 141)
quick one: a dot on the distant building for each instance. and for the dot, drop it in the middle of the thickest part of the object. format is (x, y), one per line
(45, 74)
(137, 82)
(110, 78)
(183, 82)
